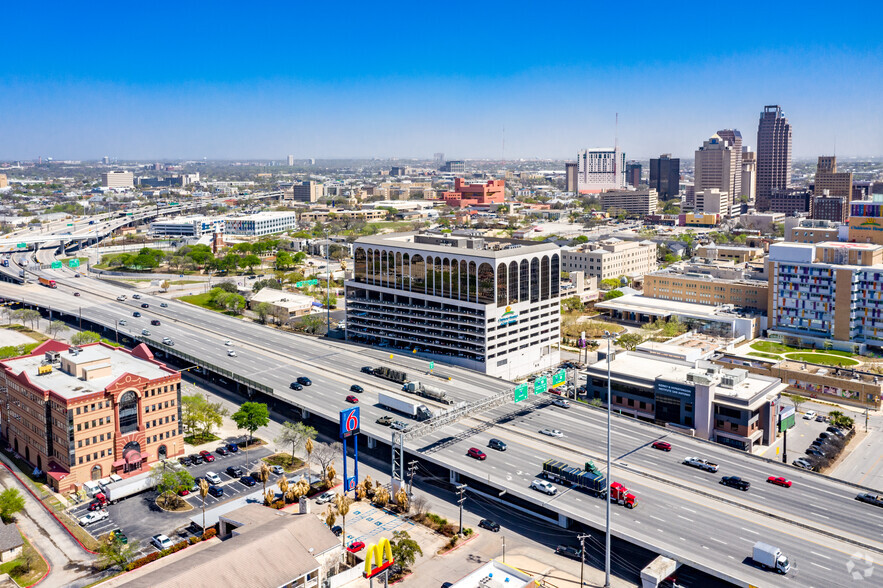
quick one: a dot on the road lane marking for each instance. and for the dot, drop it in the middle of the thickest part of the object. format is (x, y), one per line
(718, 540)
(685, 518)
(820, 555)
(820, 566)
(749, 531)
(657, 518)
(748, 540)
(690, 509)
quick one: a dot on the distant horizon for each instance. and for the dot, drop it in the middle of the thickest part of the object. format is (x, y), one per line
(256, 82)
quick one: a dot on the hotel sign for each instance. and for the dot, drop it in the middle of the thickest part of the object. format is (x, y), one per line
(510, 317)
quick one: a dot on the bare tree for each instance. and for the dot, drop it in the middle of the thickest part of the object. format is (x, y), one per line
(326, 453)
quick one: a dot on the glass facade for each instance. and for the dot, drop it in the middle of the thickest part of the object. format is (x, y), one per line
(128, 416)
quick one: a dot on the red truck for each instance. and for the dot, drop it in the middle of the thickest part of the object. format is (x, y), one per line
(47, 282)
(621, 495)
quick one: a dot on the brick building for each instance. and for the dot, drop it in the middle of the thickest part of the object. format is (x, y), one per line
(492, 192)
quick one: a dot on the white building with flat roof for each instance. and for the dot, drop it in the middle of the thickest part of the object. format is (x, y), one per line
(187, 226)
(262, 223)
(118, 179)
(491, 305)
(600, 169)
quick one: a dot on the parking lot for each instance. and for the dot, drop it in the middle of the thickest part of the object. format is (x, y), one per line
(139, 517)
(368, 524)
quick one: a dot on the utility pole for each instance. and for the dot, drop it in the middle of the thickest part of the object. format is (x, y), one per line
(461, 490)
(412, 467)
(504, 548)
(582, 557)
(328, 286)
(610, 337)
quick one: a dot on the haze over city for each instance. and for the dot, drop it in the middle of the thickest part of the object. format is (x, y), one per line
(473, 80)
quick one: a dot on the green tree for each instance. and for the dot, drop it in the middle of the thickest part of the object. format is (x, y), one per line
(613, 294)
(114, 553)
(404, 549)
(572, 304)
(11, 502)
(201, 416)
(84, 337)
(609, 284)
(250, 262)
(630, 340)
(283, 260)
(263, 310)
(227, 286)
(169, 480)
(56, 328)
(251, 416)
(295, 435)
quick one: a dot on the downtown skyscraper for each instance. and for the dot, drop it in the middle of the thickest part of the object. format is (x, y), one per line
(773, 154)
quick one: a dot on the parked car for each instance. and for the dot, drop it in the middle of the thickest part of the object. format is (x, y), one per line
(161, 542)
(661, 445)
(185, 461)
(97, 505)
(809, 415)
(93, 517)
(476, 453)
(197, 459)
(385, 420)
(295, 386)
(248, 481)
(544, 487)
(304, 381)
(821, 418)
(207, 456)
(779, 481)
(235, 471)
(736, 482)
(155, 322)
(552, 432)
(222, 451)
(183, 491)
(569, 551)
(232, 447)
(836, 432)
(356, 546)
(212, 478)
(497, 444)
(118, 536)
(326, 497)
(277, 469)
(489, 525)
(356, 388)
(337, 530)
(352, 399)
(216, 491)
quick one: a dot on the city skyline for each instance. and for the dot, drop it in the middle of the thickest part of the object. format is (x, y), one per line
(250, 88)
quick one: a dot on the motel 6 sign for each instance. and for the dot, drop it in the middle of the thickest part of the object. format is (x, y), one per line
(349, 422)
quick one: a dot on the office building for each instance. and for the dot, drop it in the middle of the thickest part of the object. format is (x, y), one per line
(188, 226)
(829, 180)
(84, 413)
(813, 231)
(290, 160)
(738, 254)
(832, 208)
(454, 167)
(491, 305)
(670, 385)
(791, 201)
(117, 179)
(773, 155)
(866, 220)
(600, 169)
(571, 180)
(827, 291)
(749, 176)
(262, 223)
(665, 176)
(4, 183)
(491, 192)
(636, 202)
(633, 174)
(719, 164)
(713, 201)
(307, 191)
(611, 259)
(178, 181)
(709, 283)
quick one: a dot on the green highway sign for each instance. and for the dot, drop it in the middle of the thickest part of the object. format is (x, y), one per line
(540, 385)
(431, 364)
(73, 263)
(70, 224)
(521, 392)
(56, 265)
(21, 245)
(559, 378)
(303, 283)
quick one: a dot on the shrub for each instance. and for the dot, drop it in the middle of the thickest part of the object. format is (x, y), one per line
(212, 532)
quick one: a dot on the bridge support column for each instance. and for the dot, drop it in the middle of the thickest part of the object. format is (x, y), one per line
(372, 442)
(304, 413)
(563, 521)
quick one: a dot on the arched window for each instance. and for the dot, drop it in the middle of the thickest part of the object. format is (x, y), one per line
(502, 300)
(384, 268)
(544, 278)
(534, 280)
(162, 452)
(128, 412)
(398, 271)
(513, 282)
(556, 276)
(375, 270)
(95, 475)
(446, 277)
(418, 278)
(439, 287)
(455, 279)
(524, 285)
(132, 456)
(369, 266)
(361, 265)
(406, 271)
(473, 280)
(464, 280)
(486, 284)
(430, 276)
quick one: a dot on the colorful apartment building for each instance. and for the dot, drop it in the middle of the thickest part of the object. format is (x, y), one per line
(492, 192)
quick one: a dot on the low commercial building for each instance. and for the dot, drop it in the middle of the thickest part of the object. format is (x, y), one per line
(492, 192)
(611, 258)
(188, 226)
(734, 253)
(4, 183)
(282, 303)
(321, 215)
(494, 574)
(118, 179)
(709, 284)
(83, 413)
(580, 285)
(700, 220)
(262, 223)
(813, 231)
(866, 220)
(639, 202)
(673, 387)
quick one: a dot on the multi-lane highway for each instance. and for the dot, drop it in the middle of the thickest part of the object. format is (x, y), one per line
(682, 512)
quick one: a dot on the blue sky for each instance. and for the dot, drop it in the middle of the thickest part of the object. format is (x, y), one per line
(353, 79)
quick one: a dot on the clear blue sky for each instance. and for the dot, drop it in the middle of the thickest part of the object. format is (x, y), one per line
(357, 79)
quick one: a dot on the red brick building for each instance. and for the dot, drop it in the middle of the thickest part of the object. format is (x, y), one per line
(493, 192)
(83, 413)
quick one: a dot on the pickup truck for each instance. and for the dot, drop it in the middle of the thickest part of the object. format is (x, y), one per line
(702, 464)
(870, 499)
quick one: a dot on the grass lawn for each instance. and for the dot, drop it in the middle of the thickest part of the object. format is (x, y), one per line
(36, 336)
(185, 282)
(772, 347)
(26, 575)
(764, 355)
(204, 300)
(284, 460)
(823, 359)
(83, 260)
(200, 439)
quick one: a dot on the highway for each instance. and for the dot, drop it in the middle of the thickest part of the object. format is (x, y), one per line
(682, 512)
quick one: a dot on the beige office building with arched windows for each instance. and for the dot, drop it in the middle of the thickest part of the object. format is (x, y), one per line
(491, 305)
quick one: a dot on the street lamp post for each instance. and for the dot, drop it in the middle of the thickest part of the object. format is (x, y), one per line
(327, 286)
(610, 338)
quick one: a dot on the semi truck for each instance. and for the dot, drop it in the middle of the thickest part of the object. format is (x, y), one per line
(590, 480)
(414, 410)
(116, 491)
(431, 392)
(47, 282)
(390, 374)
(770, 558)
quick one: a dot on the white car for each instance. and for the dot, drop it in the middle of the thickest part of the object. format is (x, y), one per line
(325, 497)
(168, 341)
(145, 332)
(212, 478)
(161, 542)
(552, 432)
(544, 487)
(231, 353)
(228, 342)
(277, 469)
(93, 517)
(810, 414)
(122, 322)
(561, 402)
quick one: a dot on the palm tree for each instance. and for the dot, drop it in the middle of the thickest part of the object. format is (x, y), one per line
(263, 474)
(342, 503)
(308, 447)
(330, 473)
(203, 492)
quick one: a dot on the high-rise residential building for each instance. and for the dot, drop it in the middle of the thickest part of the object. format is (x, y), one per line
(439, 159)
(832, 208)
(118, 179)
(640, 202)
(290, 160)
(306, 191)
(570, 176)
(633, 173)
(719, 164)
(773, 154)
(829, 180)
(749, 174)
(473, 302)
(611, 259)
(600, 169)
(105, 160)
(665, 176)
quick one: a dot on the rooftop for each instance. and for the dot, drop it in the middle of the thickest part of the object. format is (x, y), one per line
(494, 574)
(659, 307)
(407, 240)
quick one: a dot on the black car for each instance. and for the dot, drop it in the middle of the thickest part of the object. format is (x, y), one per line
(489, 525)
(145, 305)
(248, 481)
(836, 431)
(136, 314)
(497, 444)
(155, 322)
(356, 388)
(216, 491)
(569, 551)
(304, 381)
(235, 472)
(185, 461)
(221, 451)
(295, 386)
(336, 530)
(368, 370)
(736, 482)
(197, 459)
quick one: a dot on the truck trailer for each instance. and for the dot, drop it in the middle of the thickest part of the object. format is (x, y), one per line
(590, 480)
(426, 391)
(390, 374)
(116, 491)
(47, 282)
(770, 558)
(415, 410)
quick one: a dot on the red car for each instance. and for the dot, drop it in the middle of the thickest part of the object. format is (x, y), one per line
(779, 481)
(662, 445)
(352, 399)
(183, 492)
(356, 546)
(476, 453)
(207, 456)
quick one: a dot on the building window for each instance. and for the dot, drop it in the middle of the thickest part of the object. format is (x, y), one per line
(397, 271)
(513, 282)
(556, 276)
(128, 412)
(524, 286)
(446, 278)
(473, 282)
(418, 277)
(162, 452)
(534, 280)
(485, 284)
(544, 278)
(455, 279)
(464, 280)
(361, 265)
(502, 299)
(406, 272)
